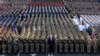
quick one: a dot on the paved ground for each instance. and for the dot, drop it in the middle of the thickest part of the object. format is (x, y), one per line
(53, 55)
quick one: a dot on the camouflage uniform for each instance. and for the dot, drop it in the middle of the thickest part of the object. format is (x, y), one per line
(42, 47)
(60, 47)
(0, 47)
(37, 47)
(94, 44)
(65, 47)
(9, 46)
(15, 48)
(20, 47)
(32, 47)
(4, 48)
(88, 43)
(26, 47)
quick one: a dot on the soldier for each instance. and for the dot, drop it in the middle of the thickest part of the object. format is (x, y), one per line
(89, 40)
(26, 47)
(76, 47)
(82, 44)
(0, 29)
(0, 46)
(37, 47)
(15, 48)
(42, 47)
(3, 48)
(65, 47)
(60, 47)
(94, 44)
(93, 36)
(20, 47)
(32, 47)
(9, 48)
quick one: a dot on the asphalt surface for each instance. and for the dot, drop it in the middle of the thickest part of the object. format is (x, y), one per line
(47, 55)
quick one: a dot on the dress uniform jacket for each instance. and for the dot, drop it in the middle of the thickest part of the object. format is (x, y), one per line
(51, 43)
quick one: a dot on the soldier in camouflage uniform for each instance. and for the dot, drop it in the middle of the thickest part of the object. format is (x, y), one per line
(9, 46)
(4, 48)
(15, 48)
(21, 47)
(32, 47)
(26, 47)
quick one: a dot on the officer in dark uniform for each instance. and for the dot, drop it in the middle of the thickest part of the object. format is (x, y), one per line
(51, 44)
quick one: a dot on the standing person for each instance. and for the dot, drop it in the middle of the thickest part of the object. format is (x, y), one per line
(68, 10)
(51, 43)
(75, 21)
(93, 33)
(80, 19)
(14, 29)
(81, 27)
(78, 15)
(19, 29)
(89, 30)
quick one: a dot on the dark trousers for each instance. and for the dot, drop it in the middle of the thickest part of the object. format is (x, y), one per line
(51, 49)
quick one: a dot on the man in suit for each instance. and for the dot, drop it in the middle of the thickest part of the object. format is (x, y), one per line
(51, 43)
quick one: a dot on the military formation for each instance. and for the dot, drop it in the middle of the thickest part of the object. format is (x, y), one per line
(27, 30)
(83, 7)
